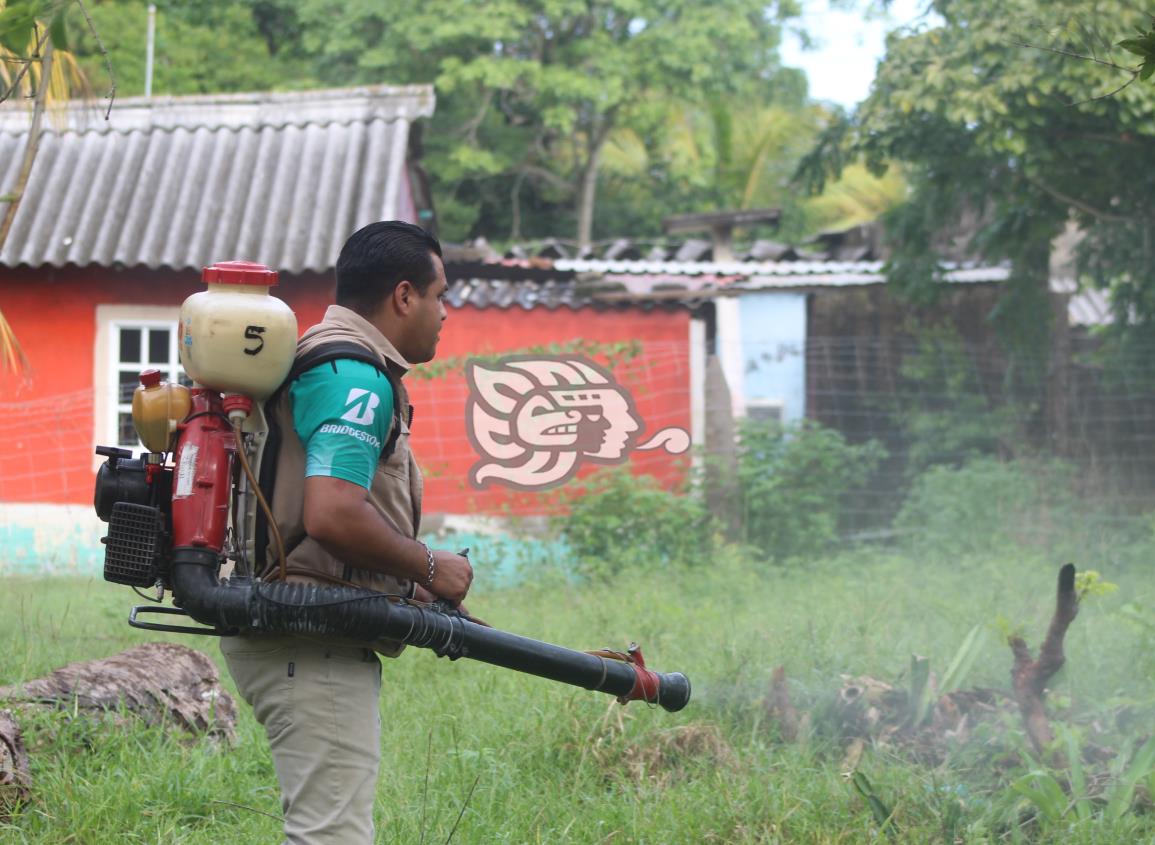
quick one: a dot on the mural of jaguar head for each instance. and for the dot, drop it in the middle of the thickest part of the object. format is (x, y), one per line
(534, 419)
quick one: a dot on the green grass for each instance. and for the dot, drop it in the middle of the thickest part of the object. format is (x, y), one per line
(553, 764)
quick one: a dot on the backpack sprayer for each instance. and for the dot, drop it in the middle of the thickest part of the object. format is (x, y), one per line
(186, 507)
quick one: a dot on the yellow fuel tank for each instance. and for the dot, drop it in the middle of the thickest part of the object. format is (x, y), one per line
(157, 407)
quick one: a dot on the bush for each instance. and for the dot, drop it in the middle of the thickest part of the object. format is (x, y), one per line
(795, 482)
(618, 520)
(946, 413)
(986, 505)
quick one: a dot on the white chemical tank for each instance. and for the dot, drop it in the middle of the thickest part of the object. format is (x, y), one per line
(235, 337)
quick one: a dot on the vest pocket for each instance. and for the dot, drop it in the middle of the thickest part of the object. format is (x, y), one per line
(313, 557)
(397, 465)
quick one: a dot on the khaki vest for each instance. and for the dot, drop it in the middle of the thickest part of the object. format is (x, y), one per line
(397, 484)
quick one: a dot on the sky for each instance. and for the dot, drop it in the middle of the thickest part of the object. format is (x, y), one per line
(847, 46)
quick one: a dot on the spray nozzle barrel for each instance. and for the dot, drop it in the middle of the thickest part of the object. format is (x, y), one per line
(673, 691)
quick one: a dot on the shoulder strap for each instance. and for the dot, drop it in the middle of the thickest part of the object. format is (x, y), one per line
(326, 353)
(322, 354)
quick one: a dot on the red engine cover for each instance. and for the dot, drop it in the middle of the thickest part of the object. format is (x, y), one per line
(202, 478)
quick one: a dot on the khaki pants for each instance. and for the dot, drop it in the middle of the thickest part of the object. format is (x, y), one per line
(318, 704)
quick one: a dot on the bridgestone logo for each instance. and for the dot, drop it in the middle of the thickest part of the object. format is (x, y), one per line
(333, 428)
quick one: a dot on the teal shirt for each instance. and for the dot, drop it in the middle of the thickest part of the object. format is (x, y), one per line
(342, 411)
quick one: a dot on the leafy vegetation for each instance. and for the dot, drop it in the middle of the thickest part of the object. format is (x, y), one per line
(201, 47)
(947, 415)
(531, 92)
(792, 486)
(794, 482)
(1144, 48)
(1005, 134)
(1013, 502)
(30, 31)
(620, 522)
(553, 119)
(956, 512)
(560, 765)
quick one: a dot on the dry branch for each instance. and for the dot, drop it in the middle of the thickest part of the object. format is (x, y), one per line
(162, 683)
(1030, 676)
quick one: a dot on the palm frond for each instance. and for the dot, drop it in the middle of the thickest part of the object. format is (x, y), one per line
(67, 79)
(12, 357)
(857, 197)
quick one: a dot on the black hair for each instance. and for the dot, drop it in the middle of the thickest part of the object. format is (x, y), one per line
(380, 256)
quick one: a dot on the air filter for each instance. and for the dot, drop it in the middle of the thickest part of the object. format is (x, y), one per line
(132, 546)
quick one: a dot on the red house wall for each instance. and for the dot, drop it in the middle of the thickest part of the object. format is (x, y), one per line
(658, 379)
(47, 426)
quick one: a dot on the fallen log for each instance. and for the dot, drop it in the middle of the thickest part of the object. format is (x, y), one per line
(162, 683)
(1029, 676)
(14, 776)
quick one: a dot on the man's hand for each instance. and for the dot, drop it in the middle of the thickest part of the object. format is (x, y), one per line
(423, 595)
(452, 577)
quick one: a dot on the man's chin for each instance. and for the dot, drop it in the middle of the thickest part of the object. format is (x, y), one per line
(425, 358)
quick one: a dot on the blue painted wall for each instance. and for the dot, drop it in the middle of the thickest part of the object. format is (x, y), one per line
(50, 539)
(65, 540)
(773, 327)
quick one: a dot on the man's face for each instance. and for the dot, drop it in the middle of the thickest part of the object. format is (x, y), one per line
(427, 313)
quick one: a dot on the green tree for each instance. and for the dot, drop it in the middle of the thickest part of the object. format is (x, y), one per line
(1002, 131)
(738, 153)
(531, 91)
(201, 47)
(692, 156)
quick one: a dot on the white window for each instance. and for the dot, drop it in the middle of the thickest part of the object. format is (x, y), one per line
(129, 340)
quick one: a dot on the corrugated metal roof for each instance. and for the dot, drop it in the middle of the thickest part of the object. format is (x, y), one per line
(763, 274)
(679, 284)
(507, 293)
(717, 268)
(184, 181)
(1086, 306)
(550, 294)
(642, 277)
(842, 274)
(846, 245)
(1090, 308)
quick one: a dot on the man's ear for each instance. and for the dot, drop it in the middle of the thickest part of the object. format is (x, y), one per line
(403, 296)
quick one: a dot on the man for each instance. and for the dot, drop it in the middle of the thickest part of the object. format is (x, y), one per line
(347, 501)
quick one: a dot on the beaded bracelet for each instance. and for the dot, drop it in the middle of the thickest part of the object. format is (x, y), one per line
(432, 564)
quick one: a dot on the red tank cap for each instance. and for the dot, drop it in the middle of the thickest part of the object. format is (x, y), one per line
(150, 378)
(239, 273)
